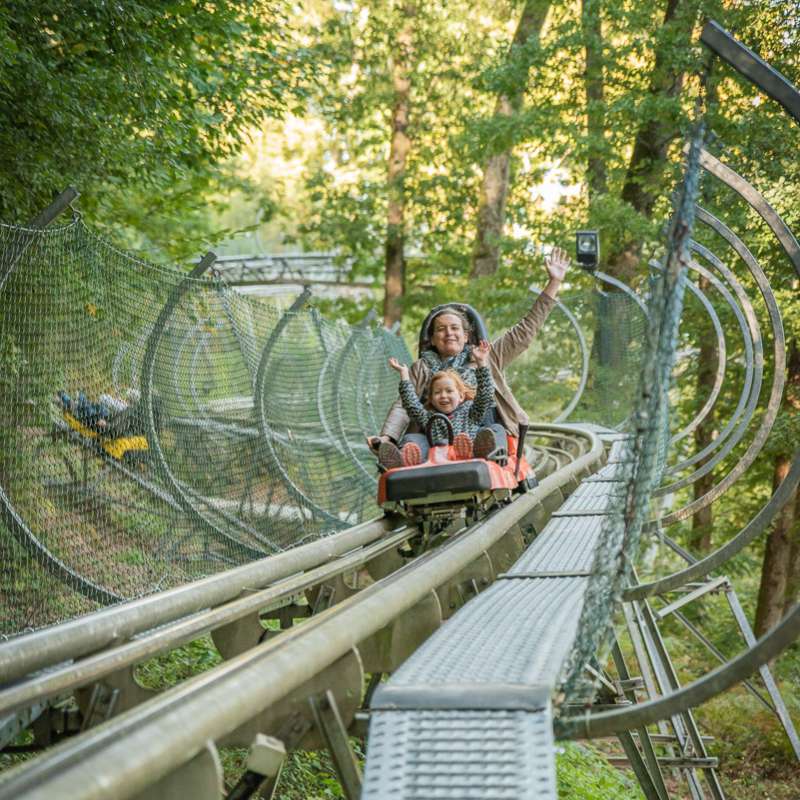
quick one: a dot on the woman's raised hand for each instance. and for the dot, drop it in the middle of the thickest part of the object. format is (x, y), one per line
(481, 353)
(557, 263)
(398, 367)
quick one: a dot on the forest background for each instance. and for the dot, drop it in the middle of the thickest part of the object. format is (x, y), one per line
(435, 147)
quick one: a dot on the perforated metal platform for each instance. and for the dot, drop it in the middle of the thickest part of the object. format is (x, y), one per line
(468, 715)
(621, 451)
(591, 499)
(565, 545)
(617, 471)
(471, 755)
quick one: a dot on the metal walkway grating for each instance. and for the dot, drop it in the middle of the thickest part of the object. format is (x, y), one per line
(468, 716)
(470, 755)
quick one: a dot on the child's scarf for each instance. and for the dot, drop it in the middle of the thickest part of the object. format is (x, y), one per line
(458, 362)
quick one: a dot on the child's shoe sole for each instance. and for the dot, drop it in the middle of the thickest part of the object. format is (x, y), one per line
(389, 455)
(462, 445)
(484, 444)
(412, 455)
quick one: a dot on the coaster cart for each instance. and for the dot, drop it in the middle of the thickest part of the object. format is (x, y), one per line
(443, 493)
(121, 448)
(90, 452)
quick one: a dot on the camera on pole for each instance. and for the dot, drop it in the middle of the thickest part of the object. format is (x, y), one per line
(587, 249)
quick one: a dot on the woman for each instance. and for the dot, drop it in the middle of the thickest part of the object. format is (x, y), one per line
(446, 346)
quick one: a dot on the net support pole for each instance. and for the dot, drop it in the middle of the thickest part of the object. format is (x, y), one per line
(41, 220)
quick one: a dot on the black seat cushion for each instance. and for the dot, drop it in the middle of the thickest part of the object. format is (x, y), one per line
(412, 484)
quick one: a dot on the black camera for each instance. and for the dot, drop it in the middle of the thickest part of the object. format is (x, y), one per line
(587, 249)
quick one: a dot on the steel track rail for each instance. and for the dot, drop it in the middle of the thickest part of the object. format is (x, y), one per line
(90, 669)
(131, 752)
(87, 634)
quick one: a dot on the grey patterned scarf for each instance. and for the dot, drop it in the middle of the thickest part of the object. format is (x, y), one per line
(458, 362)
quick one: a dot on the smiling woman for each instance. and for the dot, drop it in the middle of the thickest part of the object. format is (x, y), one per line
(448, 342)
(450, 331)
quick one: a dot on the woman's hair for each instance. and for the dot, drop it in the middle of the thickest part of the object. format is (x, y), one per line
(463, 387)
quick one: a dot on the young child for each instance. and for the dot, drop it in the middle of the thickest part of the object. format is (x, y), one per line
(448, 394)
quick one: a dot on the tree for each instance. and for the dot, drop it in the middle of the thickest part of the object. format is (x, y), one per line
(779, 575)
(662, 113)
(401, 65)
(592, 30)
(134, 101)
(496, 172)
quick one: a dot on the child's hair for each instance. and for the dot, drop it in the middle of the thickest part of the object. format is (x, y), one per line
(463, 387)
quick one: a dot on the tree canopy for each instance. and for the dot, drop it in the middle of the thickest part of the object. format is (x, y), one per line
(137, 104)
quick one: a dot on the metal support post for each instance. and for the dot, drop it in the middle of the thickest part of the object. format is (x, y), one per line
(643, 775)
(669, 680)
(653, 785)
(334, 733)
(709, 645)
(264, 765)
(778, 705)
(769, 682)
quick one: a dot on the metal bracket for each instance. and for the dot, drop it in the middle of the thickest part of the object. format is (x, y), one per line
(334, 733)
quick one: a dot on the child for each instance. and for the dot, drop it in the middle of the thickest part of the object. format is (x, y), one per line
(448, 394)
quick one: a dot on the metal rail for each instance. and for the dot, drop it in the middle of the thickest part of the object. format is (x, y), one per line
(174, 634)
(90, 633)
(134, 750)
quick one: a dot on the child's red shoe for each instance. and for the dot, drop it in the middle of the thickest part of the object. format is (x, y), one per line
(462, 446)
(412, 455)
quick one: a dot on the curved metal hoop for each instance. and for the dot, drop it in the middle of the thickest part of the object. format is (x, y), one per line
(8, 513)
(778, 377)
(735, 428)
(714, 560)
(747, 341)
(337, 382)
(182, 494)
(640, 302)
(327, 364)
(790, 482)
(266, 430)
(607, 723)
(576, 397)
(721, 359)
(757, 202)
(623, 287)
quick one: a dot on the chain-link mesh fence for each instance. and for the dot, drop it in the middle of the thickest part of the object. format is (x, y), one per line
(155, 427)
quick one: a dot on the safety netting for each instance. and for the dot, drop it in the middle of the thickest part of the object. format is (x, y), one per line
(157, 426)
(639, 459)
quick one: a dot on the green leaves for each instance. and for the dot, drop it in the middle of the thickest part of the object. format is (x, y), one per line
(131, 100)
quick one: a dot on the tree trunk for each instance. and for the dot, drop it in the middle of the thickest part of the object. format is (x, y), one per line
(774, 572)
(642, 184)
(792, 592)
(592, 30)
(395, 264)
(792, 405)
(496, 173)
(708, 357)
(779, 573)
